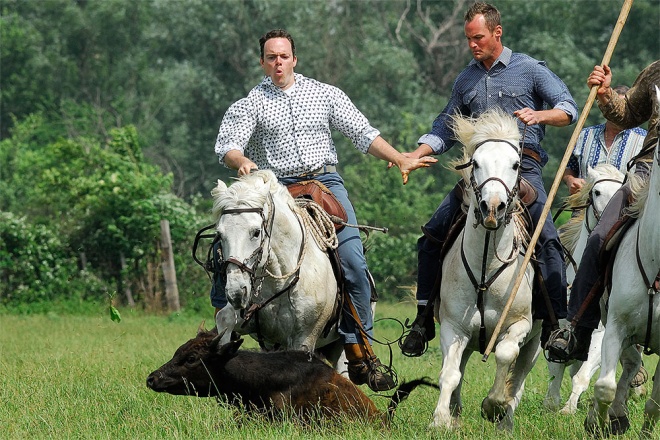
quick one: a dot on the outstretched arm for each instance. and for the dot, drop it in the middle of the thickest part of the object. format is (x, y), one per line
(381, 149)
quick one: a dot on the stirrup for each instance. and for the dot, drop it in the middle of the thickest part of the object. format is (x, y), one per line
(414, 343)
(560, 345)
(640, 378)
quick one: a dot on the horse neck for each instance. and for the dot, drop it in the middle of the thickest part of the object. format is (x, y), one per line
(648, 223)
(286, 239)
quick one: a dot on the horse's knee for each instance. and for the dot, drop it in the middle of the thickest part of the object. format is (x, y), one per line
(604, 391)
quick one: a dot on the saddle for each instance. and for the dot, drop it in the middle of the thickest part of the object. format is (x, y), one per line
(319, 193)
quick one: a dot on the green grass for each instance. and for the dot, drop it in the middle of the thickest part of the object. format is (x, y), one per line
(73, 377)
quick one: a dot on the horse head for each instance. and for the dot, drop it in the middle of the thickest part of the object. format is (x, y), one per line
(601, 184)
(244, 221)
(492, 155)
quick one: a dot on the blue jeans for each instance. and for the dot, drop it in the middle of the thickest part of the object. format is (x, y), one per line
(548, 248)
(351, 256)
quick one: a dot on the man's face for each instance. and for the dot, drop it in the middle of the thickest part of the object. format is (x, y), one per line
(485, 45)
(278, 62)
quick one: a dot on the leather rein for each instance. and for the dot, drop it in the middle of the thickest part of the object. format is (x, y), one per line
(481, 286)
(256, 256)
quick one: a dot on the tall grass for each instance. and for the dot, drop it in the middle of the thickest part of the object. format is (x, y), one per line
(72, 377)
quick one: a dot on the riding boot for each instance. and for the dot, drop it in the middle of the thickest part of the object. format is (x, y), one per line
(422, 330)
(569, 343)
(363, 368)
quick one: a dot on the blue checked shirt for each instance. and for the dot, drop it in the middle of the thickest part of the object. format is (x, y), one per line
(290, 132)
(514, 81)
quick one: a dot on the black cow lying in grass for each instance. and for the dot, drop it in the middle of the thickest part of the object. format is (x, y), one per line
(274, 382)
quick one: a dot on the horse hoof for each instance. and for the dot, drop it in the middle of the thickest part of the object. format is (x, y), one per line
(619, 425)
(594, 430)
(492, 413)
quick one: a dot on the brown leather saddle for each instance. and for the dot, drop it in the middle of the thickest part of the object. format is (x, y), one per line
(319, 193)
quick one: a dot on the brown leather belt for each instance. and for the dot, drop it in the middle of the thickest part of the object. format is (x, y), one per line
(531, 153)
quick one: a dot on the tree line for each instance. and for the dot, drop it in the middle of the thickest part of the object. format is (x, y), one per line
(110, 110)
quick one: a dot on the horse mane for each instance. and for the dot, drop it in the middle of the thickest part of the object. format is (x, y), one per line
(249, 191)
(470, 131)
(639, 187)
(569, 232)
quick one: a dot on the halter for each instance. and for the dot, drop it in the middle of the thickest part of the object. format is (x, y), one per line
(476, 189)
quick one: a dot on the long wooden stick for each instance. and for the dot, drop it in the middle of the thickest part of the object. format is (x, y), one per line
(560, 171)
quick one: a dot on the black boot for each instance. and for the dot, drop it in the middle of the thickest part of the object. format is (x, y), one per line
(569, 343)
(422, 330)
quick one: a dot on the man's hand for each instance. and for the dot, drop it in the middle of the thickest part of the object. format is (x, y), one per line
(574, 184)
(408, 164)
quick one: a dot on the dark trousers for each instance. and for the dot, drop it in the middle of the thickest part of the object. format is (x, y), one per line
(548, 248)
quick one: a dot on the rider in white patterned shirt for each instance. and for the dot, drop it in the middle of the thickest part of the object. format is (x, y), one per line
(284, 124)
(603, 143)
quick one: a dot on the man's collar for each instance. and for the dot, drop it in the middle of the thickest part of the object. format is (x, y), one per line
(504, 58)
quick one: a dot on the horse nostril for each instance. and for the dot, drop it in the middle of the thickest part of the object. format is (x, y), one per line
(150, 381)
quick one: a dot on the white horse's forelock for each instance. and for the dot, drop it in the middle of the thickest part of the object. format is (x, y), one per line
(249, 191)
(470, 131)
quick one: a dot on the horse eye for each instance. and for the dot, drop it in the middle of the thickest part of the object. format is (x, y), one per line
(597, 193)
(256, 233)
(516, 166)
(191, 359)
(475, 165)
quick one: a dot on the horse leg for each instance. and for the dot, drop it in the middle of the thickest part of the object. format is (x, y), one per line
(652, 407)
(523, 364)
(456, 403)
(497, 405)
(618, 412)
(453, 346)
(597, 421)
(225, 321)
(581, 379)
(552, 397)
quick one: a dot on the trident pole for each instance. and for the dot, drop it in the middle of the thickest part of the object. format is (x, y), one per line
(627, 4)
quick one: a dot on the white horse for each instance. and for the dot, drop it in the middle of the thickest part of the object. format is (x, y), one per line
(588, 204)
(492, 239)
(634, 304)
(280, 284)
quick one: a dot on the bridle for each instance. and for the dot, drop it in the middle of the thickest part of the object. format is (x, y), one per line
(256, 280)
(476, 188)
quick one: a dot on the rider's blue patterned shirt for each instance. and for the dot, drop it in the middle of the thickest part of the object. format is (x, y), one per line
(514, 81)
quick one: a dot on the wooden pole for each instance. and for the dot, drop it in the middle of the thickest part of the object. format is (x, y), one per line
(627, 4)
(169, 272)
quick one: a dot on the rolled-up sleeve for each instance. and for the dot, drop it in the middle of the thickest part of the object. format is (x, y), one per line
(236, 128)
(346, 118)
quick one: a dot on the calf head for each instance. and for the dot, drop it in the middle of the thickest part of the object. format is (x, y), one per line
(189, 371)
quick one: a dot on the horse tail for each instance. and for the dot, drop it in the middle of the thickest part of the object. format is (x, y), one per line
(403, 392)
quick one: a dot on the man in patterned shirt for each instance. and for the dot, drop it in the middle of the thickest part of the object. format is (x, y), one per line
(521, 86)
(636, 107)
(284, 124)
(602, 143)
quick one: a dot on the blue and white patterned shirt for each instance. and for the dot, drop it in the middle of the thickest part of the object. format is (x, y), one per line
(590, 150)
(514, 81)
(289, 132)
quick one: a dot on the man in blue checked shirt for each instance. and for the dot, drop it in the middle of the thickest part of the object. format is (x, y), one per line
(521, 86)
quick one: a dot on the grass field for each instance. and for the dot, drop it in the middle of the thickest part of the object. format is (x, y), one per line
(72, 377)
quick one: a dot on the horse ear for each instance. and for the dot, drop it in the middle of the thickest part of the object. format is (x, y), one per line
(219, 189)
(591, 172)
(201, 328)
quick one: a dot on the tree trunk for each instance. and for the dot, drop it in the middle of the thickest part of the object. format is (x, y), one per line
(169, 272)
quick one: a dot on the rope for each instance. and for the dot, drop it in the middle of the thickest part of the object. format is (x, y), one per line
(318, 223)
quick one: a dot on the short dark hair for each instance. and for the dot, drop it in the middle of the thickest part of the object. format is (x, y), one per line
(490, 13)
(276, 33)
